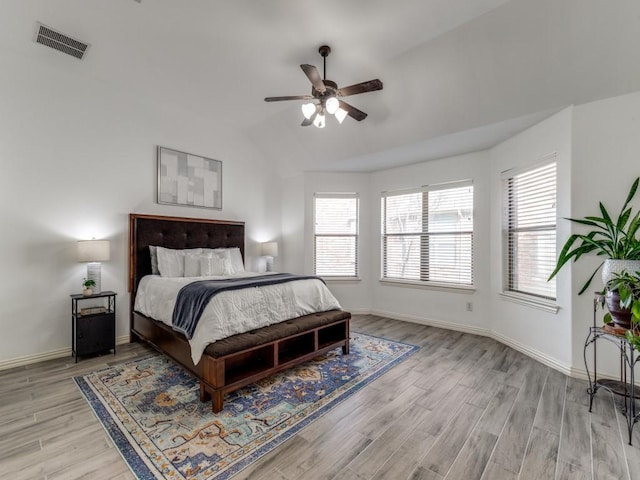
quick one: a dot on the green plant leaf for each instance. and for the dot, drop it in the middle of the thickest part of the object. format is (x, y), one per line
(588, 222)
(622, 219)
(607, 318)
(631, 193)
(586, 285)
(605, 215)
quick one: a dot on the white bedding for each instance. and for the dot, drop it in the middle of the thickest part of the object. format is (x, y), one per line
(234, 311)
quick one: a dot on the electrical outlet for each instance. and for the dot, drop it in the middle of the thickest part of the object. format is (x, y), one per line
(469, 307)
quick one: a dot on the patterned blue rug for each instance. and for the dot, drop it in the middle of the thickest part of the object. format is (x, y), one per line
(150, 407)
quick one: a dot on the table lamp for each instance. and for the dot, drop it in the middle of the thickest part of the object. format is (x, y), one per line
(269, 251)
(93, 252)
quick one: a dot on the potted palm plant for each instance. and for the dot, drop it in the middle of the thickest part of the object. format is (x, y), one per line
(616, 239)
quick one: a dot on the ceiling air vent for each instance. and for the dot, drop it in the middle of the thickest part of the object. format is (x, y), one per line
(59, 41)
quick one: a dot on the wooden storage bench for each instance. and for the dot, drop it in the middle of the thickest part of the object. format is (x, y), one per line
(239, 360)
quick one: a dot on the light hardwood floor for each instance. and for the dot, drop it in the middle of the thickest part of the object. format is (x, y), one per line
(462, 407)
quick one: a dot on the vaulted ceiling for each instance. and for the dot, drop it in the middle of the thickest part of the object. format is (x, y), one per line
(459, 75)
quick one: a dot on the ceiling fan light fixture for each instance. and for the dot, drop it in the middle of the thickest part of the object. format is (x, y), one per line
(308, 109)
(341, 115)
(332, 105)
(319, 121)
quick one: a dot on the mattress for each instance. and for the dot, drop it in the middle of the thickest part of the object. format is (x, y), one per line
(234, 311)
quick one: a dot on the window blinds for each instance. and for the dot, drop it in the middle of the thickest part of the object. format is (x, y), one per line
(427, 234)
(336, 235)
(530, 218)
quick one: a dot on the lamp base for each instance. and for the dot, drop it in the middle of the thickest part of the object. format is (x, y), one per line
(269, 263)
(94, 271)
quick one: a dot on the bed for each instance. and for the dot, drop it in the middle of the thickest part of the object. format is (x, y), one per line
(238, 360)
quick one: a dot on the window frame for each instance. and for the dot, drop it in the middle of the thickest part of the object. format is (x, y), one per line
(424, 236)
(534, 300)
(356, 235)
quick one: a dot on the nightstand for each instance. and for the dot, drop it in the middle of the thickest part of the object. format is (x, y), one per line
(93, 327)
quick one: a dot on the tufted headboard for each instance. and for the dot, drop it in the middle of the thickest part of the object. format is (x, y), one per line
(175, 232)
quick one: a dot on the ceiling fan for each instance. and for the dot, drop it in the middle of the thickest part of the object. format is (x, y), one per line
(326, 96)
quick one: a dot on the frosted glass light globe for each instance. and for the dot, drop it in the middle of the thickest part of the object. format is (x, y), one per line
(308, 109)
(332, 105)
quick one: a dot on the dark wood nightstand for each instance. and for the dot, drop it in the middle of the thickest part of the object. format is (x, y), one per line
(93, 327)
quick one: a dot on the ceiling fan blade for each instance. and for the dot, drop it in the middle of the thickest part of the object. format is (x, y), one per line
(370, 86)
(292, 97)
(352, 111)
(314, 77)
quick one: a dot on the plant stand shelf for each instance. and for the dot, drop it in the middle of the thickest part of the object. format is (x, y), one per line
(625, 386)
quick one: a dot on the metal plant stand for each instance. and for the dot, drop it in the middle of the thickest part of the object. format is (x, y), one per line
(625, 386)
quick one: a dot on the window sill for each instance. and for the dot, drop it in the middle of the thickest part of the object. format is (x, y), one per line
(443, 287)
(529, 301)
(341, 279)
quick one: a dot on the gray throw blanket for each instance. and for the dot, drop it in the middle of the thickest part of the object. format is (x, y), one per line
(194, 297)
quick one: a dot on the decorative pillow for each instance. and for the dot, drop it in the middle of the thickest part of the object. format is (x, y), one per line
(215, 264)
(192, 264)
(171, 262)
(237, 265)
(235, 257)
(154, 260)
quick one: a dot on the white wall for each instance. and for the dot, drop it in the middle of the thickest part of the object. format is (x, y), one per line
(428, 305)
(546, 334)
(76, 157)
(354, 295)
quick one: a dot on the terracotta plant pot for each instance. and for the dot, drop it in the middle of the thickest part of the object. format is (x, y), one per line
(620, 316)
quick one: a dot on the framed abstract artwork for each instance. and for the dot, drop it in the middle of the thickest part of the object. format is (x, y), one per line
(186, 179)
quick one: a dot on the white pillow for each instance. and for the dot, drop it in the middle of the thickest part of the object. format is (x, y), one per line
(237, 266)
(154, 260)
(215, 264)
(192, 264)
(171, 262)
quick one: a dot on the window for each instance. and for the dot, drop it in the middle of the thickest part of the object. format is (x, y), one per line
(335, 234)
(427, 234)
(530, 230)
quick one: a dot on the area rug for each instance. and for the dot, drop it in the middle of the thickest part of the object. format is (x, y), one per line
(151, 409)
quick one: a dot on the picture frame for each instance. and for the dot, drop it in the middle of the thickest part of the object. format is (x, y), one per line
(188, 180)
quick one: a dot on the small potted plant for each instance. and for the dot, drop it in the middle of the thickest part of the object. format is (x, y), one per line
(88, 284)
(623, 301)
(619, 293)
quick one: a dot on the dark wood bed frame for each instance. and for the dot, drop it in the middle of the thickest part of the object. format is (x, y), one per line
(231, 363)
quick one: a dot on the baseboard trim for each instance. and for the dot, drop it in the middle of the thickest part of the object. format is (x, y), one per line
(551, 362)
(41, 357)
(432, 323)
(485, 332)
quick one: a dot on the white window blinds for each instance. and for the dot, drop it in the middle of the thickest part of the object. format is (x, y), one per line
(336, 234)
(427, 234)
(530, 230)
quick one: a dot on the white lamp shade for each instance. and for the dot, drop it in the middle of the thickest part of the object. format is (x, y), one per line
(93, 250)
(319, 121)
(270, 249)
(341, 115)
(332, 105)
(308, 109)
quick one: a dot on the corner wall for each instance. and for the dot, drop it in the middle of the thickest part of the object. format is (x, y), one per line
(543, 334)
(606, 159)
